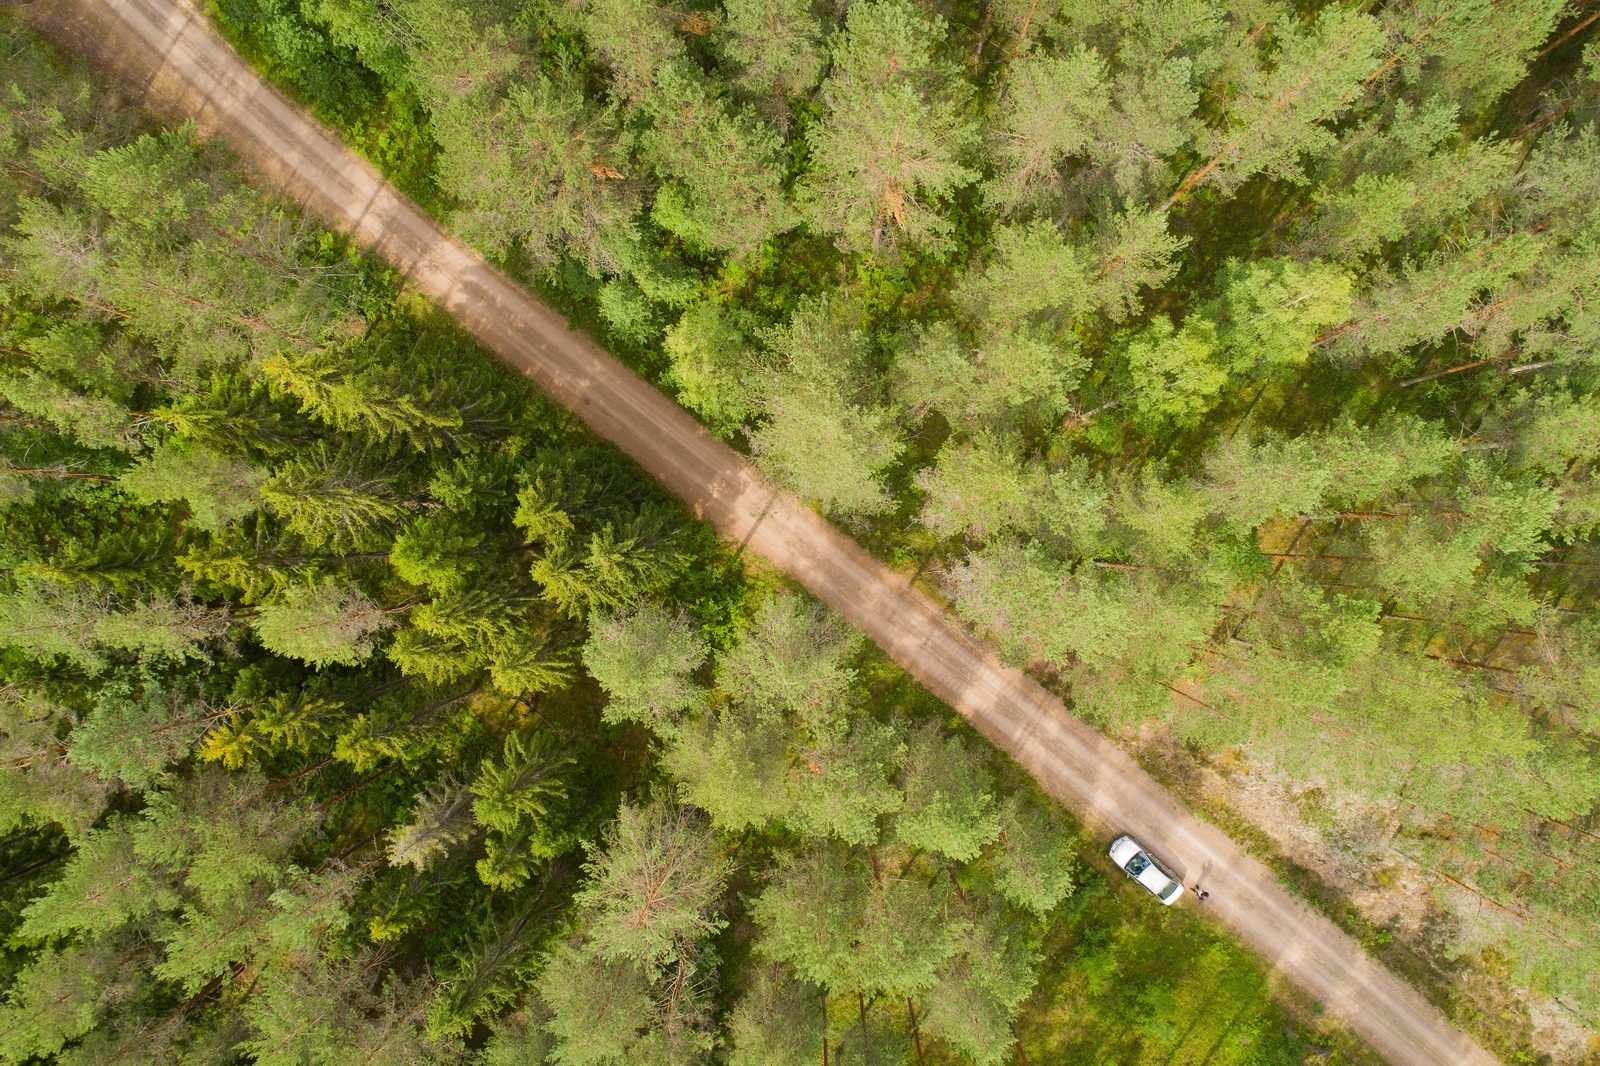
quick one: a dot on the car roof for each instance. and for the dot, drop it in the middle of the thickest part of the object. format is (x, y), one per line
(1155, 880)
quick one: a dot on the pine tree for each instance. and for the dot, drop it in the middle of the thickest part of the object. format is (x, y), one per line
(846, 924)
(793, 658)
(779, 1022)
(1034, 867)
(635, 39)
(543, 167)
(1471, 52)
(839, 785)
(1014, 374)
(892, 140)
(1137, 254)
(733, 765)
(643, 660)
(1249, 482)
(776, 48)
(1033, 270)
(948, 806)
(1151, 120)
(934, 370)
(1022, 599)
(653, 885)
(216, 489)
(978, 490)
(322, 624)
(981, 989)
(1275, 117)
(1431, 298)
(731, 195)
(1359, 220)
(1048, 114)
(829, 451)
(599, 1008)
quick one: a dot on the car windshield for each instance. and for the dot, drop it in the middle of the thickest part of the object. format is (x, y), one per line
(1172, 890)
(1138, 864)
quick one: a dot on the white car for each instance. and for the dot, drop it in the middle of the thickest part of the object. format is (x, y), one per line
(1134, 861)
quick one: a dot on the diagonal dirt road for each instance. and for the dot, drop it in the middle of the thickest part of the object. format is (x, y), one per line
(164, 51)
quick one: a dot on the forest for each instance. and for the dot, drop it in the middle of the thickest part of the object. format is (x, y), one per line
(1226, 364)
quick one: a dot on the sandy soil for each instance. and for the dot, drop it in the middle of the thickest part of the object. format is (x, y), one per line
(166, 55)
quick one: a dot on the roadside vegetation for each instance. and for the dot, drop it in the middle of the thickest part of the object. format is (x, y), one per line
(359, 707)
(1228, 365)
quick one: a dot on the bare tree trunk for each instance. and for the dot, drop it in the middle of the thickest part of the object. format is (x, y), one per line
(916, 1034)
(861, 1001)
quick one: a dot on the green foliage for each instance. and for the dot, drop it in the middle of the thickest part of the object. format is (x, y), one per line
(844, 925)
(948, 808)
(216, 489)
(891, 145)
(520, 801)
(709, 356)
(598, 1007)
(538, 169)
(793, 658)
(981, 990)
(1275, 116)
(1034, 867)
(654, 885)
(247, 475)
(779, 1022)
(322, 625)
(1175, 373)
(1274, 310)
(726, 162)
(775, 47)
(643, 660)
(1228, 363)
(1105, 990)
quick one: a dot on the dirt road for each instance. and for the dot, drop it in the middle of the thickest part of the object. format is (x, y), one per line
(165, 53)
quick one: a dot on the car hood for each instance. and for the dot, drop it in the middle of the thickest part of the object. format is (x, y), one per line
(1122, 850)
